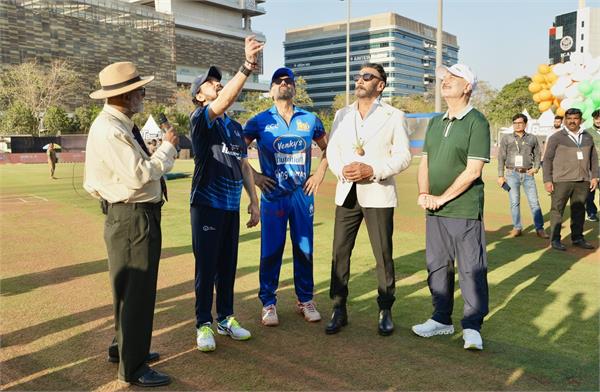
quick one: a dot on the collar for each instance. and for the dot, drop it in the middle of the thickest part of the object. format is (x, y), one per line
(273, 109)
(374, 106)
(119, 115)
(462, 114)
(579, 132)
(525, 134)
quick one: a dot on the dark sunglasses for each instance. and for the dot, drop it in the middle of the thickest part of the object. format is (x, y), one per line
(366, 77)
(287, 80)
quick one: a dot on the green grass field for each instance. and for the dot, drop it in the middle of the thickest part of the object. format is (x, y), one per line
(542, 332)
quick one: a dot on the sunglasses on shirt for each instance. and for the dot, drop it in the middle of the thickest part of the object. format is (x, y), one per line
(366, 77)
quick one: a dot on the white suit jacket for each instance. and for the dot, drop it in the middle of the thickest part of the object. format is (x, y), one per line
(386, 145)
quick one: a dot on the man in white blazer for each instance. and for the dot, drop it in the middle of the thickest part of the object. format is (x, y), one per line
(368, 147)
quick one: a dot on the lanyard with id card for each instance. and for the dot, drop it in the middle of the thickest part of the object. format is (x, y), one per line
(518, 157)
(578, 144)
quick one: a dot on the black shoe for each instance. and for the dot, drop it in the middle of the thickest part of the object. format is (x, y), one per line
(339, 319)
(558, 245)
(152, 378)
(592, 218)
(386, 325)
(113, 356)
(583, 244)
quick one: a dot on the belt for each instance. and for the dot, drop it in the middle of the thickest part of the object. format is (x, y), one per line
(146, 206)
(518, 169)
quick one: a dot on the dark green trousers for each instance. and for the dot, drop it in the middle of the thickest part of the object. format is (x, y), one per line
(380, 226)
(133, 241)
(576, 192)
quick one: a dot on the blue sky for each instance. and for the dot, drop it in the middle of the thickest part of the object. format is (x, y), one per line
(501, 40)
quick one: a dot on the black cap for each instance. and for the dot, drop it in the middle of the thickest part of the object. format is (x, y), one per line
(212, 71)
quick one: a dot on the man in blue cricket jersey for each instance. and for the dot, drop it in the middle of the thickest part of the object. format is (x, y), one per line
(221, 169)
(284, 136)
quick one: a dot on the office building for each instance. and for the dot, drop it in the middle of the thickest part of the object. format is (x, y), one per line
(577, 31)
(405, 48)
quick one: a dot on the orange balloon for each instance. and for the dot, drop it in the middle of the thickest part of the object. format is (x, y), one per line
(534, 87)
(544, 69)
(545, 105)
(545, 95)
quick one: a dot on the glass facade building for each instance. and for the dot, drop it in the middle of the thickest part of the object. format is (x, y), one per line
(404, 47)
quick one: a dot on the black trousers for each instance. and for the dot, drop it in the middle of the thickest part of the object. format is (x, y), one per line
(577, 192)
(215, 237)
(133, 242)
(380, 226)
(463, 240)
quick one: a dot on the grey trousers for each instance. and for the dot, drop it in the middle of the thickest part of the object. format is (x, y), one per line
(380, 226)
(463, 240)
(133, 241)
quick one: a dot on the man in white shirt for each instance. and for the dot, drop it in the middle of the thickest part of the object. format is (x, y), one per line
(368, 147)
(121, 173)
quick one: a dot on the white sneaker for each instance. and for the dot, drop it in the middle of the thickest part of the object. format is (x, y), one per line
(269, 316)
(231, 327)
(472, 339)
(205, 338)
(431, 328)
(308, 310)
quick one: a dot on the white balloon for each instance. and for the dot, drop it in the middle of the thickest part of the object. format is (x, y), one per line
(558, 90)
(580, 75)
(593, 66)
(569, 67)
(559, 69)
(567, 103)
(572, 91)
(576, 58)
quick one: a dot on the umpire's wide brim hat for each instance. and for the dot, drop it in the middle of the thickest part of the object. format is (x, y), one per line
(119, 78)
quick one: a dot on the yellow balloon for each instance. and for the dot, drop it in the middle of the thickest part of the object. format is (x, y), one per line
(560, 111)
(539, 78)
(534, 87)
(550, 78)
(545, 95)
(545, 105)
(536, 98)
(544, 69)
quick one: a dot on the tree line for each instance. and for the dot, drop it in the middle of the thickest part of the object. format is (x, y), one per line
(34, 98)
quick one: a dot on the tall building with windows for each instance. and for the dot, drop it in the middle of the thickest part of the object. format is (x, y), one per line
(577, 31)
(405, 48)
(175, 40)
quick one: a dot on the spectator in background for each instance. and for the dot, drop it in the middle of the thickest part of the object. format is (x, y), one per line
(518, 162)
(594, 131)
(570, 173)
(152, 146)
(52, 159)
(558, 123)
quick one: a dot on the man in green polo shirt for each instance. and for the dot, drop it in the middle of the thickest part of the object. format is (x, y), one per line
(457, 145)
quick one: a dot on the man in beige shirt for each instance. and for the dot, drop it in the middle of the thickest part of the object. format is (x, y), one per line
(121, 173)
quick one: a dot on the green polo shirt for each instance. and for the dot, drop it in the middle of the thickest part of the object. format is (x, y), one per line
(449, 143)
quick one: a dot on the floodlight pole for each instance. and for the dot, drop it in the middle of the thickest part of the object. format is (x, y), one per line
(438, 58)
(348, 53)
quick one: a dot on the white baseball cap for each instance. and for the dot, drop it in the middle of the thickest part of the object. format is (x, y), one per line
(460, 70)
